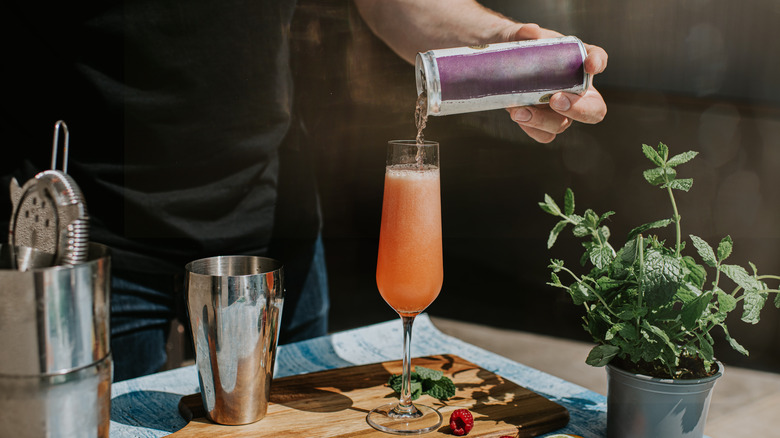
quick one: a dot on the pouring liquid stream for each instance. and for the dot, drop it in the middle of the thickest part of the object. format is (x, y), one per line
(420, 120)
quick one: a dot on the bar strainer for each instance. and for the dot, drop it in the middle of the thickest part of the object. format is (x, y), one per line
(49, 215)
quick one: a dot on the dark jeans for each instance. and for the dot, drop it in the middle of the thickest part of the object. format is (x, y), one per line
(143, 307)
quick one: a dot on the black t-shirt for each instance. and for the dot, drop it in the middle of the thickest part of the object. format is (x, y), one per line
(176, 111)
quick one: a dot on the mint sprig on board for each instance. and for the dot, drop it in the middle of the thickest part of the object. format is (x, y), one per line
(648, 306)
(425, 381)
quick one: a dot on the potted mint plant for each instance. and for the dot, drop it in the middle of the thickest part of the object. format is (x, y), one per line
(651, 309)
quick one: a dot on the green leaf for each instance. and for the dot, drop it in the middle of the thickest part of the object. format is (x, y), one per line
(663, 151)
(642, 228)
(568, 202)
(603, 233)
(601, 355)
(631, 313)
(579, 293)
(680, 184)
(428, 374)
(615, 329)
(724, 248)
(550, 206)
(555, 232)
(752, 304)
(705, 250)
(739, 275)
(681, 158)
(663, 275)
(696, 272)
(688, 293)
(581, 231)
(601, 256)
(425, 381)
(734, 344)
(395, 382)
(441, 389)
(660, 334)
(659, 175)
(692, 311)
(706, 351)
(604, 216)
(652, 155)
(726, 302)
(628, 253)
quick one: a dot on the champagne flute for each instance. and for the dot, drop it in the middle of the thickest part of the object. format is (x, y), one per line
(409, 271)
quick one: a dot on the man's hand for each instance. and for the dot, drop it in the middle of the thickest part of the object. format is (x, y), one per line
(544, 122)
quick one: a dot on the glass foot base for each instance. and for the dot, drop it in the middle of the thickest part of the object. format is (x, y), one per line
(387, 419)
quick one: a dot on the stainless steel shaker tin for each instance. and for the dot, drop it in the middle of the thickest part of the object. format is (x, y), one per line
(235, 306)
(54, 320)
(493, 76)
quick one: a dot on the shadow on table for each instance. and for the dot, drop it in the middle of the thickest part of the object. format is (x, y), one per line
(152, 409)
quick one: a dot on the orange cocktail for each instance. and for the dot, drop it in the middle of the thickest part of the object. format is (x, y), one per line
(409, 270)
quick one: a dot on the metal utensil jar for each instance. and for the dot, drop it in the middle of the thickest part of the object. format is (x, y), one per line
(55, 366)
(493, 76)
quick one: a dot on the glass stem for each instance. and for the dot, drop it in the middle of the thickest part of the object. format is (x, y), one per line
(405, 405)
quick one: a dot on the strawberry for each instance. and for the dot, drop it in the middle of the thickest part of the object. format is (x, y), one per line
(461, 422)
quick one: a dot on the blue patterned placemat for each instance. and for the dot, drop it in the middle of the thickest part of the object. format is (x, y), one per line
(148, 406)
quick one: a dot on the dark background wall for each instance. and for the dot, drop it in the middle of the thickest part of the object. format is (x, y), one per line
(700, 75)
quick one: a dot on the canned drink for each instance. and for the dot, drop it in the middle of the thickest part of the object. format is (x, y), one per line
(493, 76)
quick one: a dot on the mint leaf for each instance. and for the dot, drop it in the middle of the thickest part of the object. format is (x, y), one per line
(696, 273)
(705, 352)
(726, 302)
(555, 232)
(441, 389)
(642, 228)
(425, 381)
(680, 184)
(705, 250)
(601, 256)
(681, 158)
(428, 374)
(724, 248)
(652, 155)
(659, 175)
(662, 277)
(663, 151)
(551, 206)
(692, 311)
(752, 305)
(739, 275)
(734, 344)
(396, 383)
(600, 355)
(568, 202)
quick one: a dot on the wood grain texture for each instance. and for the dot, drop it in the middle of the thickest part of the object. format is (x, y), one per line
(334, 403)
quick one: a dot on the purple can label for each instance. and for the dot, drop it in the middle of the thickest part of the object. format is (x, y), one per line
(470, 79)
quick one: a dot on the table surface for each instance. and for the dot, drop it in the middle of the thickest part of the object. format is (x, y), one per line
(148, 406)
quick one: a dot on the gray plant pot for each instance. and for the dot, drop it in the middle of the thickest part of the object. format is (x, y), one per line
(640, 406)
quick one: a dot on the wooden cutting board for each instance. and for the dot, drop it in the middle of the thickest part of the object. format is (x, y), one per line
(334, 403)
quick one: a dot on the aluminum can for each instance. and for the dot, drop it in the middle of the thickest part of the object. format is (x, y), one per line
(493, 76)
